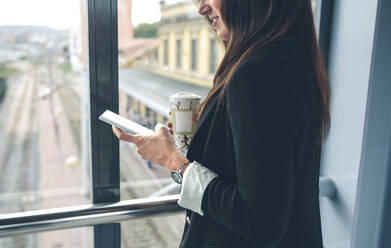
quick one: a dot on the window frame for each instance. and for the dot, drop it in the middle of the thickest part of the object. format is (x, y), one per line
(213, 56)
(178, 53)
(372, 218)
(194, 49)
(102, 31)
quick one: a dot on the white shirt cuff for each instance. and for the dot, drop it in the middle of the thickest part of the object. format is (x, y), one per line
(195, 180)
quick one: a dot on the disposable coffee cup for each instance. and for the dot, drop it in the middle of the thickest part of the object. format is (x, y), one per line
(183, 106)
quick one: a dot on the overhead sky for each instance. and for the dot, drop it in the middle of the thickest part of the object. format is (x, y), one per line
(147, 11)
(61, 14)
(53, 13)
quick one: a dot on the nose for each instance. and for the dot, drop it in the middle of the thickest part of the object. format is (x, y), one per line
(204, 9)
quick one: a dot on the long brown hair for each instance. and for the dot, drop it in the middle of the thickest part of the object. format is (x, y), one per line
(253, 24)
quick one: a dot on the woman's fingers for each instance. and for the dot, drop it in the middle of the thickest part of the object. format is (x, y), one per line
(124, 136)
(169, 125)
(116, 131)
(161, 129)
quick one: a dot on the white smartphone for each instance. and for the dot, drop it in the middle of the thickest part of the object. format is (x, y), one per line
(124, 124)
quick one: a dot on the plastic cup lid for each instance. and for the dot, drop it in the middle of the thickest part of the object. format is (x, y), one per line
(185, 95)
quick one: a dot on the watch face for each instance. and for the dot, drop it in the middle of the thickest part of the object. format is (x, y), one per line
(176, 177)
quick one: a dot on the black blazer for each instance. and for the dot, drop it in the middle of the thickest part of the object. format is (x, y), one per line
(264, 147)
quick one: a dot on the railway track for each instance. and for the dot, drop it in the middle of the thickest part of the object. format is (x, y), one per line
(19, 161)
(11, 124)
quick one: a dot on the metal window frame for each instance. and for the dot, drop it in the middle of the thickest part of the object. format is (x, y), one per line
(103, 75)
(20, 223)
(86, 215)
(323, 16)
(372, 222)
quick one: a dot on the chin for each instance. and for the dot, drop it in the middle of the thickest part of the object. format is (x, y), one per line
(218, 35)
(222, 35)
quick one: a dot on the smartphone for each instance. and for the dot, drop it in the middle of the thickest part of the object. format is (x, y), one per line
(124, 124)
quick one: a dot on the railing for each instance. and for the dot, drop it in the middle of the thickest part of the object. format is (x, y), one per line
(327, 187)
(86, 215)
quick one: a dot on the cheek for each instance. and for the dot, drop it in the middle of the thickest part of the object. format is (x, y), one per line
(216, 4)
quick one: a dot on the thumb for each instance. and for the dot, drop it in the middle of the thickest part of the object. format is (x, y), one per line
(160, 128)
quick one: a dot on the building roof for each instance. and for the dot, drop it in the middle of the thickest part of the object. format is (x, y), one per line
(131, 49)
(154, 90)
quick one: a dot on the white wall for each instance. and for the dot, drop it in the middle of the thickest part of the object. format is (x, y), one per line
(349, 70)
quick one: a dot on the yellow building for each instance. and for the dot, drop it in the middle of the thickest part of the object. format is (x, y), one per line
(187, 50)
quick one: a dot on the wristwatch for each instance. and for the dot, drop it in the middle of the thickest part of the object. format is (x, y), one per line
(176, 175)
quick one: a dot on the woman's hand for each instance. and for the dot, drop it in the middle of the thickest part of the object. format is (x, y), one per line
(158, 148)
(169, 125)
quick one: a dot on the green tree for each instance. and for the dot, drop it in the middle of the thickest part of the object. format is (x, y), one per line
(6, 71)
(146, 30)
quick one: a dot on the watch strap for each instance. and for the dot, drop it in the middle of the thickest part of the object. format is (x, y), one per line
(182, 167)
(176, 174)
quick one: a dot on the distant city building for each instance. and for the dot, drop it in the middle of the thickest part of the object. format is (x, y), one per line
(128, 46)
(125, 28)
(187, 48)
(184, 56)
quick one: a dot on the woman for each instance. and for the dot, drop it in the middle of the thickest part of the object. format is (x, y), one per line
(250, 177)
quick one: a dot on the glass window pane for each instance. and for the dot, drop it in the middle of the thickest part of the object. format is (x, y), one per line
(181, 41)
(43, 160)
(156, 232)
(69, 238)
